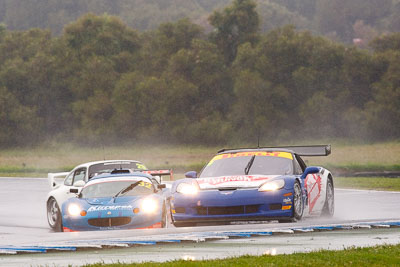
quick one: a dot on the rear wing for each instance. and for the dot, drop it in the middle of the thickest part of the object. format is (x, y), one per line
(310, 151)
(306, 151)
(52, 176)
(160, 173)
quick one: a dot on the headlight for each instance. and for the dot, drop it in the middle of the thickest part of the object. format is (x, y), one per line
(272, 186)
(149, 205)
(74, 210)
(187, 189)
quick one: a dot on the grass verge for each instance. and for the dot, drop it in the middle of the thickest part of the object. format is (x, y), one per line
(387, 255)
(36, 162)
(368, 183)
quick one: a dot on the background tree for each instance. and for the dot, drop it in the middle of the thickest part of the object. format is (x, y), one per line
(102, 81)
(235, 25)
(19, 124)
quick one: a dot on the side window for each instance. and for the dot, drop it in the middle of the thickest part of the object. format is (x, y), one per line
(79, 175)
(299, 165)
(68, 179)
(297, 168)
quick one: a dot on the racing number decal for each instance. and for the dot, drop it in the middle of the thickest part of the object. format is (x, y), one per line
(313, 185)
(145, 184)
(141, 166)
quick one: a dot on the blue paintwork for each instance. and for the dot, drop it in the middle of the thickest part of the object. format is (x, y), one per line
(310, 170)
(109, 207)
(140, 220)
(238, 197)
(185, 207)
(191, 174)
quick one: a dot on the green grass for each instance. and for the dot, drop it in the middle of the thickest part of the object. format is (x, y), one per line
(61, 157)
(388, 255)
(370, 183)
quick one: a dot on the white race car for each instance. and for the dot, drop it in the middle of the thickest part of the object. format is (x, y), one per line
(75, 180)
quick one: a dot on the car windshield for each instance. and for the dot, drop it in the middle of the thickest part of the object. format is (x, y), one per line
(250, 163)
(100, 168)
(111, 188)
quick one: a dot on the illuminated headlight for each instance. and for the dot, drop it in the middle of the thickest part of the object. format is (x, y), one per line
(187, 189)
(149, 205)
(74, 210)
(272, 186)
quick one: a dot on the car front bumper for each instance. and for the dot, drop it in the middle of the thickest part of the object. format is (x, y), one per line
(232, 205)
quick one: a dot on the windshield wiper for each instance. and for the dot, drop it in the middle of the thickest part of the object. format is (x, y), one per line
(127, 189)
(247, 169)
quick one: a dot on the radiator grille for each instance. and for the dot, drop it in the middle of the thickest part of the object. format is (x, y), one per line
(108, 222)
(245, 209)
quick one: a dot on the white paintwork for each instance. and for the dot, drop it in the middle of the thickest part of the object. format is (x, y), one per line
(316, 192)
(61, 192)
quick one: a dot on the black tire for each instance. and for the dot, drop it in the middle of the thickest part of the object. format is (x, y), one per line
(298, 202)
(329, 206)
(298, 205)
(164, 215)
(54, 215)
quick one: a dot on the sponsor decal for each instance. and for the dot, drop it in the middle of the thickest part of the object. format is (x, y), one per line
(287, 200)
(226, 192)
(109, 208)
(313, 185)
(158, 172)
(227, 179)
(252, 153)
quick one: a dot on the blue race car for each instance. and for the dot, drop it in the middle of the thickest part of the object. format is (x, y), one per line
(122, 199)
(254, 184)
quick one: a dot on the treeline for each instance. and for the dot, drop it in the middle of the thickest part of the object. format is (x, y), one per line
(102, 81)
(341, 20)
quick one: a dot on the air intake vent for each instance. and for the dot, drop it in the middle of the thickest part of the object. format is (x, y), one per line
(275, 206)
(108, 222)
(227, 210)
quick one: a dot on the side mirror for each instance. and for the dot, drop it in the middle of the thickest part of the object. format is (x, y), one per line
(161, 186)
(309, 170)
(191, 174)
(79, 183)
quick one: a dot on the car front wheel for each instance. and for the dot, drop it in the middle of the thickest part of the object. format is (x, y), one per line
(54, 215)
(164, 217)
(298, 205)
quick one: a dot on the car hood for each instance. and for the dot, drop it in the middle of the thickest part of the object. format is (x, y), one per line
(111, 201)
(237, 181)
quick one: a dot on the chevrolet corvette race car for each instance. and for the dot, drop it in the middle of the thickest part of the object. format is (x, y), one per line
(123, 199)
(77, 178)
(254, 184)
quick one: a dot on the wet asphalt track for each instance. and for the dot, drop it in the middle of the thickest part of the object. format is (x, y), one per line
(23, 222)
